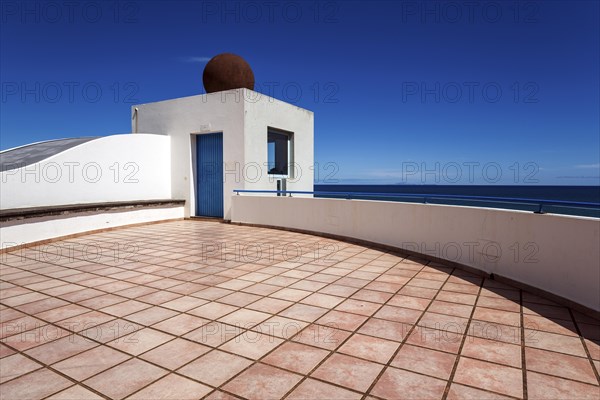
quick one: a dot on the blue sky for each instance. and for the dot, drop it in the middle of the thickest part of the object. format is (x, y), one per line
(403, 91)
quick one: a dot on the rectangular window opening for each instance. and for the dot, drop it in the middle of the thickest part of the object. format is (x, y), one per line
(278, 152)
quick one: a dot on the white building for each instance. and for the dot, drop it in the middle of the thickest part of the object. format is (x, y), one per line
(237, 139)
(185, 158)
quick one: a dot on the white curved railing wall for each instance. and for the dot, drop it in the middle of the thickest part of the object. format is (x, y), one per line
(555, 253)
(111, 168)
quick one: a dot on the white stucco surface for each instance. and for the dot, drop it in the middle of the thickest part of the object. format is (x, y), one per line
(555, 253)
(107, 169)
(243, 117)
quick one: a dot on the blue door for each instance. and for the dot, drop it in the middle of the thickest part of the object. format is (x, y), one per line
(209, 175)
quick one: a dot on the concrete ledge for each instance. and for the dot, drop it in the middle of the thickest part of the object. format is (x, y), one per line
(37, 212)
(24, 227)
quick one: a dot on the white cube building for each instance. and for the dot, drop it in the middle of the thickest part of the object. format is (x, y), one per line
(236, 139)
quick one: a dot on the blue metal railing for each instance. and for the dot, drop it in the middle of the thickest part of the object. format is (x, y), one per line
(426, 198)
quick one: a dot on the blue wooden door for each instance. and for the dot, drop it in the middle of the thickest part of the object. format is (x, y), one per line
(209, 185)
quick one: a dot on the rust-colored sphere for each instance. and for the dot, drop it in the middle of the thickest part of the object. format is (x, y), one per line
(227, 71)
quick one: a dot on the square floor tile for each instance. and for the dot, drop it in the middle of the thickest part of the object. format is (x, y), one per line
(553, 342)
(172, 387)
(497, 316)
(543, 387)
(348, 371)
(16, 365)
(60, 313)
(262, 381)
(110, 330)
(251, 344)
(370, 348)
(91, 362)
(361, 307)
(449, 308)
(151, 316)
(396, 383)
(399, 314)
(303, 312)
(124, 379)
(213, 334)
(445, 323)
(454, 297)
(213, 310)
(281, 327)
(239, 299)
(35, 337)
(36, 385)
(495, 331)
(125, 308)
(290, 294)
(493, 377)
(493, 351)
(342, 320)
(244, 318)
(175, 353)
(23, 323)
(561, 365)
(222, 366)
(180, 324)
(425, 361)
(322, 300)
(326, 337)
(435, 339)
(184, 303)
(372, 296)
(535, 323)
(385, 329)
(269, 305)
(85, 321)
(60, 349)
(141, 341)
(296, 357)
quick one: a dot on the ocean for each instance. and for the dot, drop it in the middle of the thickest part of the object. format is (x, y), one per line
(588, 194)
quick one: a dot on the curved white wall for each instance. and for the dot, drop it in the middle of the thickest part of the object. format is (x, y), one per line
(555, 253)
(111, 168)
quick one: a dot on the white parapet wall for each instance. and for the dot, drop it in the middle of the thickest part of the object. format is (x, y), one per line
(34, 230)
(557, 254)
(111, 168)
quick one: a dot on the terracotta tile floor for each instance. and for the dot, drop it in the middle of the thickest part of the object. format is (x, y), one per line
(194, 309)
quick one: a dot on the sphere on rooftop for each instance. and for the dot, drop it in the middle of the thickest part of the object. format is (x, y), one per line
(227, 71)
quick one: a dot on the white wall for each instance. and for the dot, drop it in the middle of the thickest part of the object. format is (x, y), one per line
(19, 232)
(111, 168)
(558, 254)
(265, 112)
(243, 116)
